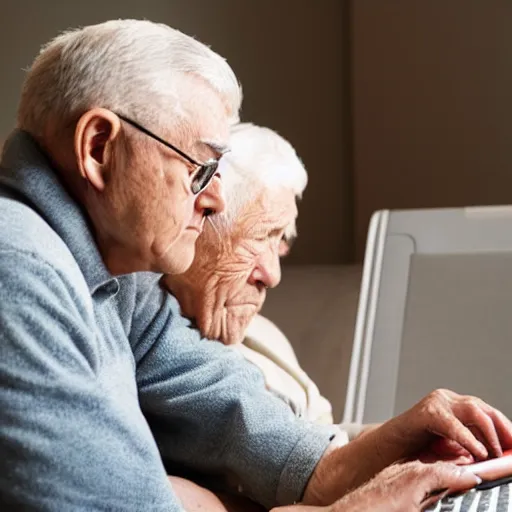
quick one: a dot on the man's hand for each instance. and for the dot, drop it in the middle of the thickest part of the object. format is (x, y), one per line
(469, 424)
(408, 487)
(473, 428)
(442, 449)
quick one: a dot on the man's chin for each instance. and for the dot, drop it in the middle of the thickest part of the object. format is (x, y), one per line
(177, 260)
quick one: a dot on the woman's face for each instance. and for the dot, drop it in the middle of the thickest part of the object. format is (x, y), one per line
(226, 284)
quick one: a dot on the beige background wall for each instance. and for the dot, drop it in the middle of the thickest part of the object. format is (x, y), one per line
(432, 104)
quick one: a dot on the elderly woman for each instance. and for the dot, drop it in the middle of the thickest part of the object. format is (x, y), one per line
(237, 260)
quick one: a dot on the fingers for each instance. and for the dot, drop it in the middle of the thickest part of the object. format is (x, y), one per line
(451, 427)
(475, 416)
(424, 484)
(409, 486)
(447, 450)
(442, 445)
(475, 425)
(442, 475)
(441, 479)
(503, 426)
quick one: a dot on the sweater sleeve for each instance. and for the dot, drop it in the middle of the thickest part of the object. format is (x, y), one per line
(64, 444)
(210, 412)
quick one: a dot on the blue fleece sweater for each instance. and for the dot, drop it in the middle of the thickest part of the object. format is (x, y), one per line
(102, 382)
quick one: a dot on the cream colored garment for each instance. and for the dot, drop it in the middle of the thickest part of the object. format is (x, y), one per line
(268, 348)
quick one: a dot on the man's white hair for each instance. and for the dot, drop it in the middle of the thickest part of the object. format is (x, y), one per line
(131, 66)
(259, 160)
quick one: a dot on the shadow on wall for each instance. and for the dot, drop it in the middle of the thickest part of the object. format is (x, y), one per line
(287, 55)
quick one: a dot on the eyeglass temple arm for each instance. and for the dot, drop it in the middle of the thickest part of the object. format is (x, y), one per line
(156, 137)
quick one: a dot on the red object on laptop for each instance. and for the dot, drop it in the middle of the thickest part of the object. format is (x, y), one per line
(493, 469)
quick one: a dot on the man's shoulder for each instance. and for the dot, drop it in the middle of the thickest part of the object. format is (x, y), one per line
(151, 299)
(24, 232)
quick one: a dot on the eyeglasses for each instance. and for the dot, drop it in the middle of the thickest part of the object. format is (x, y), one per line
(204, 173)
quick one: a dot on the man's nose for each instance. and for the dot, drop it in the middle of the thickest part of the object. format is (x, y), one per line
(211, 198)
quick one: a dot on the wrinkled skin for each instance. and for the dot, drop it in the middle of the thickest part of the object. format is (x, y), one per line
(137, 191)
(441, 414)
(226, 284)
(399, 488)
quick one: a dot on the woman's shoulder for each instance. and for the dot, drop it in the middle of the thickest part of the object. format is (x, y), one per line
(264, 336)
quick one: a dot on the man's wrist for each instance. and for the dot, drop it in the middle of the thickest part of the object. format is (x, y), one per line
(332, 477)
(344, 468)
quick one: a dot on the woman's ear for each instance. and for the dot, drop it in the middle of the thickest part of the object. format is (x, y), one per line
(95, 133)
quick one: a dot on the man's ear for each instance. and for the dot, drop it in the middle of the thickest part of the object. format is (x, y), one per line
(95, 132)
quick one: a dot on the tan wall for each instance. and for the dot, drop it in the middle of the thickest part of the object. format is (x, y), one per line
(287, 54)
(432, 104)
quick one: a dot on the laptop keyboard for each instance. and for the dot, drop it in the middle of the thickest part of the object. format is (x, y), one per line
(497, 499)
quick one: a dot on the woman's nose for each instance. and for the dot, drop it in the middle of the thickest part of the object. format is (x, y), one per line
(267, 272)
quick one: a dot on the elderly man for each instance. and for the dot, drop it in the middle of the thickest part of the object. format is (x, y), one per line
(104, 388)
(238, 257)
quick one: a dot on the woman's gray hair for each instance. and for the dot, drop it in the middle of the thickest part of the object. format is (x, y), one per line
(259, 160)
(128, 65)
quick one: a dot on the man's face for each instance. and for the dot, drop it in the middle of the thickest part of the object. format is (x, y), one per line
(181, 228)
(226, 284)
(148, 209)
